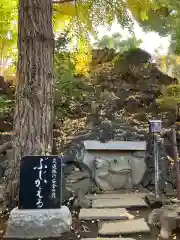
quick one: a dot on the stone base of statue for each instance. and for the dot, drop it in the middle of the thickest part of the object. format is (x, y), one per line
(43, 223)
(156, 202)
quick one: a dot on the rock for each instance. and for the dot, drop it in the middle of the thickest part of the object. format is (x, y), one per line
(83, 184)
(44, 223)
(3, 167)
(81, 200)
(78, 180)
(132, 105)
(175, 200)
(167, 217)
(169, 187)
(76, 175)
(140, 116)
(68, 169)
(74, 179)
(66, 191)
(2, 191)
(75, 151)
(123, 227)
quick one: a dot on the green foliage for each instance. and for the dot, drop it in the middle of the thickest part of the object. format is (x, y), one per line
(170, 98)
(83, 16)
(176, 71)
(151, 15)
(62, 61)
(87, 15)
(170, 64)
(8, 32)
(163, 17)
(5, 105)
(174, 19)
(156, 20)
(117, 42)
(70, 91)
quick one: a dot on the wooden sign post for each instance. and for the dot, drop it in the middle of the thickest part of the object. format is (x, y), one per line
(40, 214)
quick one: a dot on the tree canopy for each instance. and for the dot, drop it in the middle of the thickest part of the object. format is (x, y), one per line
(82, 17)
(117, 42)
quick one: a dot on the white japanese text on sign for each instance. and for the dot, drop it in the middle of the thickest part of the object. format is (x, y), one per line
(41, 178)
(54, 174)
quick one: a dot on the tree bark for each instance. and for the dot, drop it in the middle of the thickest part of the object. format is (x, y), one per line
(33, 119)
(5, 146)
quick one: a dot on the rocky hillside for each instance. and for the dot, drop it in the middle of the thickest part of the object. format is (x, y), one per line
(121, 98)
(120, 92)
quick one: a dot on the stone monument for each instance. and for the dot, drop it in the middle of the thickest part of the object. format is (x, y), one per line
(116, 164)
(40, 213)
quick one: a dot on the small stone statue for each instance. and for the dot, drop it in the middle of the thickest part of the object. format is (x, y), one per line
(113, 174)
(167, 217)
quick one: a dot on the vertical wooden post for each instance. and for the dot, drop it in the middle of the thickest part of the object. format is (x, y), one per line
(176, 161)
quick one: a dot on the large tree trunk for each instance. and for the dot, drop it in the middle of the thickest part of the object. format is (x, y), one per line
(33, 120)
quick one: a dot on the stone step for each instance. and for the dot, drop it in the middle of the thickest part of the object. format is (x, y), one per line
(115, 195)
(104, 214)
(126, 202)
(123, 227)
(108, 238)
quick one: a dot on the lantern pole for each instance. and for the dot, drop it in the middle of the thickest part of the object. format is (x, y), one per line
(156, 200)
(155, 128)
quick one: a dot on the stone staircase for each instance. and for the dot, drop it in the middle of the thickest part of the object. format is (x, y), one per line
(114, 219)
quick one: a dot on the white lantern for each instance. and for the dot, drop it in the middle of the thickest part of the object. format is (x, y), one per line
(155, 126)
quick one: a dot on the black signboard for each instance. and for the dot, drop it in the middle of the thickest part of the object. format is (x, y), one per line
(40, 182)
